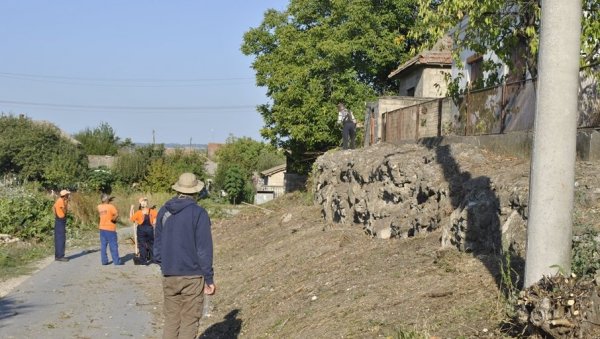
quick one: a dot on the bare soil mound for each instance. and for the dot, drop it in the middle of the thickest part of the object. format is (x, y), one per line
(291, 273)
(288, 274)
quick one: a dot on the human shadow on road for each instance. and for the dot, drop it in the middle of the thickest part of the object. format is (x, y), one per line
(9, 307)
(127, 257)
(479, 208)
(229, 328)
(81, 254)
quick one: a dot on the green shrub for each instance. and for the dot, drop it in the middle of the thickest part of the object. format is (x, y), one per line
(37, 151)
(163, 172)
(99, 141)
(66, 169)
(26, 215)
(99, 180)
(235, 184)
(585, 259)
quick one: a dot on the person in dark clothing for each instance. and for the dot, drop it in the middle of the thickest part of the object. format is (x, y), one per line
(348, 122)
(184, 250)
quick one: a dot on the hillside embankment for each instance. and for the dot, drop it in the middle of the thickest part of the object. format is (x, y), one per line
(396, 240)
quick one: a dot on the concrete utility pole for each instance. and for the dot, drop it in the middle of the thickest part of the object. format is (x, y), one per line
(551, 187)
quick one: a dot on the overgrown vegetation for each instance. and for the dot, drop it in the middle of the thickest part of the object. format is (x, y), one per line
(99, 141)
(37, 151)
(238, 160)
(586, 253)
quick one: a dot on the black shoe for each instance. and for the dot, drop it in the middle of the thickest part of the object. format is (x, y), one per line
(63, 259)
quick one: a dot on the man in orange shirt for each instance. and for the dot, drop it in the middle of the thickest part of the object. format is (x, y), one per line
(60, 225)
(108, 230)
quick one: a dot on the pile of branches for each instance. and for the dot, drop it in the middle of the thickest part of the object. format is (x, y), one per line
(560, 307)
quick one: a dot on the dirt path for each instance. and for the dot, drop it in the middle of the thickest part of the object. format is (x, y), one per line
(83, 299)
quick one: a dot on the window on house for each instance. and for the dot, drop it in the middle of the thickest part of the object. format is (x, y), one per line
(410, 92)
(475, 63)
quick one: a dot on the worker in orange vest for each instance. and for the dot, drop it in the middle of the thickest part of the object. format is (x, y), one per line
(60, 225)
(145, 219)
(108, 230)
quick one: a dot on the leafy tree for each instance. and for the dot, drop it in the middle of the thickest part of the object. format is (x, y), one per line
(187, 161)
(165, 171)
(509, 28)
(131, 166)
(99, 141)
(247, 155)
(100, 180)
(160, 176)
(30, 148)
(66, 169)
(269, 158)
(234, 184)
(316, 53)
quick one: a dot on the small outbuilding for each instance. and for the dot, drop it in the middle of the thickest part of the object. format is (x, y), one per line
(270, 184)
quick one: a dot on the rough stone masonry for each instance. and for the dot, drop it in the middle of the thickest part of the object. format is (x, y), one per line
(478, 199)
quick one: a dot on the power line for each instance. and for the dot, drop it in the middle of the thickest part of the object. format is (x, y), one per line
(25, 75)
(134, 108)
(131, 83)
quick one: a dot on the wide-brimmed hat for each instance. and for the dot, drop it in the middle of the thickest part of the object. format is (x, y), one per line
(105, 197)
(142, 199)
(188, 183)
(64, 192)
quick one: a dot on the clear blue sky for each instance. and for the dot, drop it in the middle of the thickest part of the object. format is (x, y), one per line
(172, 66)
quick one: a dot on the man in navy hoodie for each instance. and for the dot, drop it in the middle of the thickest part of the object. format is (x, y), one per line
(183, 247)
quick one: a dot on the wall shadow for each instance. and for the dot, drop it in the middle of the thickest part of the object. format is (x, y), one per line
(229, 328)
(483, 233)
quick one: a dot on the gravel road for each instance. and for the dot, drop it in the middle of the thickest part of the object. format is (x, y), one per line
(83, 299)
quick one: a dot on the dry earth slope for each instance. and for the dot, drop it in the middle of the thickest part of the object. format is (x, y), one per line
(290, 273)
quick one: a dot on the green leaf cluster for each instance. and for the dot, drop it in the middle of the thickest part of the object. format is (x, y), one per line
(585, 259)
(25, 214)
(101, 140)
(38, 151)
(234, 184)
(100, 180)
(163, 172)
(509, 28)
(131, 166)
(316, 53)
(248, 156)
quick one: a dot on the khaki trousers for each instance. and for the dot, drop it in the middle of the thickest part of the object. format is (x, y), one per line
(183, 299)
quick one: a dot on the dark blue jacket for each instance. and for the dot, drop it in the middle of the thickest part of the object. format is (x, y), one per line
(183, 244)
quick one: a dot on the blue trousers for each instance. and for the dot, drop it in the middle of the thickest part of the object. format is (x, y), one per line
(109, 238)
(60, 237)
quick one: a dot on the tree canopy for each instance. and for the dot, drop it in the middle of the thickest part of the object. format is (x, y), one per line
(509, 28)
(317, 53)
(38, 151)
(101, 140)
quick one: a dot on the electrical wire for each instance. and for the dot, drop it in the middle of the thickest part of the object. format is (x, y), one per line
(132, 108)
(137, 83)
(25, 75)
